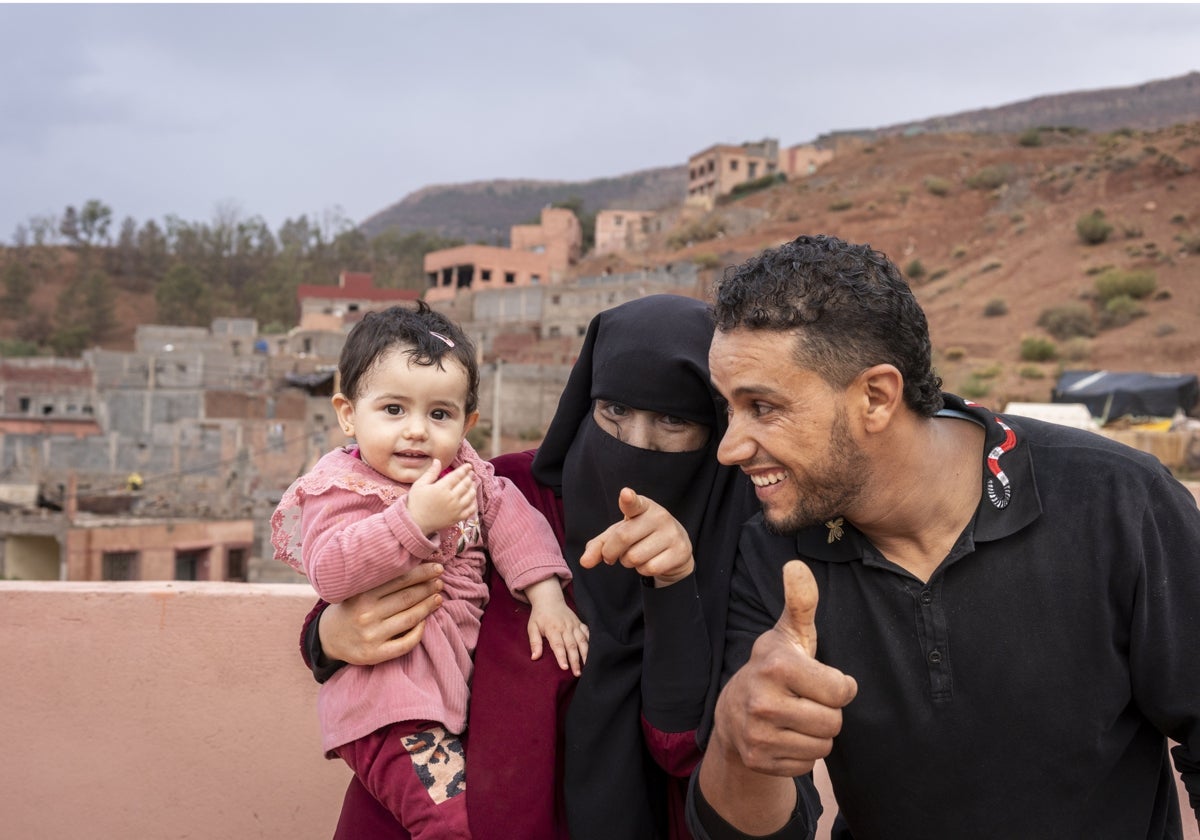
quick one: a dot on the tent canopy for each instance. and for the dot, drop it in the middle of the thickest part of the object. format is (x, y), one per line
(1109, 395)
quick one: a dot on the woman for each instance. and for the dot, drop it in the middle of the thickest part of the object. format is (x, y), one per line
(637, 412)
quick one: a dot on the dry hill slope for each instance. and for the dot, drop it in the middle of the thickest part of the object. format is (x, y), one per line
(1014, 246)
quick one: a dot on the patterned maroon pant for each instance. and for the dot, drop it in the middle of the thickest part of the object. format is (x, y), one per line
(417, 770)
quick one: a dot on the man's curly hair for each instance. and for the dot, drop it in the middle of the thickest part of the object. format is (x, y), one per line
(847, 305)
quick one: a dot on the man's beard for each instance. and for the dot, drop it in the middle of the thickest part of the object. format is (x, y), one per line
(833, 491)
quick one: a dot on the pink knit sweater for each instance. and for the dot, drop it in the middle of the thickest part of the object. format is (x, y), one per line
(348, 529)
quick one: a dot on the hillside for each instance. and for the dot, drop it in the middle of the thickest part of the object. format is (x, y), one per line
(1011, 248)
(1148, 106)
(483, 211)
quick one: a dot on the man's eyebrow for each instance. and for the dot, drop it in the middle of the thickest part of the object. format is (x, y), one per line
(755, 390)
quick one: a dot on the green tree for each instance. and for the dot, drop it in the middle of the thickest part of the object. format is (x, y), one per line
(86, 312)
(89, 226)
(183, 298)
(99, 306)
(94, 221)
(18, 286)
(154, 253)
(398, 259)
(123, 259)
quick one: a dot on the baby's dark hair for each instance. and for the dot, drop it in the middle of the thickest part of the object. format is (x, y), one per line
(426, 337)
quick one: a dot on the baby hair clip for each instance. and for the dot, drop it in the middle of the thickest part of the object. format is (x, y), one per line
(449, 343)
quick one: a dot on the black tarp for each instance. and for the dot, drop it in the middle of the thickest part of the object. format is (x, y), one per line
(1109, 395)
(318, 384)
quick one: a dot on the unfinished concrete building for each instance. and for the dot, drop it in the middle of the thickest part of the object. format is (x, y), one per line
(540, 255)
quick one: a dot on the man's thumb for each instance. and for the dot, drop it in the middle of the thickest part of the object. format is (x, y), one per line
(630, 503)
(799, 618)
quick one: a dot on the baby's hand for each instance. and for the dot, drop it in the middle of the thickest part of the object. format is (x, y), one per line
(553, 619)
(436, 503)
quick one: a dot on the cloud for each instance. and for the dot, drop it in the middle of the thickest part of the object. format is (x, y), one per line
(288, 109)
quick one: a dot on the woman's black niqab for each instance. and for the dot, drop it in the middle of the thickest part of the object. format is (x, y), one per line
(649, 354)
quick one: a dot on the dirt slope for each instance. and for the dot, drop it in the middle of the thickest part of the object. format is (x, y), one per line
(1016, 243)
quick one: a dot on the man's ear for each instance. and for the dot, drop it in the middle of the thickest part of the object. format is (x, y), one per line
(345, 413)
(472, 419)
(883, 389)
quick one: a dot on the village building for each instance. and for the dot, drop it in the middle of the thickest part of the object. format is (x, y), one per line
(719, 169)
(622, 231)
(340, 307)
(539, 255)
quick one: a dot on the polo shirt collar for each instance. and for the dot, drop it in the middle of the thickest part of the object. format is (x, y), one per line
(1010, 498)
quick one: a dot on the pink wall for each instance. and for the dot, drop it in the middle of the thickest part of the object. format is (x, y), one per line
(169, 710)
(165, 710)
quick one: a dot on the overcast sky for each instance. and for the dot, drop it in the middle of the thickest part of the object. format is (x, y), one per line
(281, 110)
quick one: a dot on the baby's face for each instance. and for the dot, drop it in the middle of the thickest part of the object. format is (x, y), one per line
(408, 414)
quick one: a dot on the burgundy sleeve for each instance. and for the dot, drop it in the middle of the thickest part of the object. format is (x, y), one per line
(518, 706)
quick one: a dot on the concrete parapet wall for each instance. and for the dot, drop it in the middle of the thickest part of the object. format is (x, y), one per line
(161, 710)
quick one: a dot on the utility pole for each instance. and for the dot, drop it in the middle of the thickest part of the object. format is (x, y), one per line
(496, 410)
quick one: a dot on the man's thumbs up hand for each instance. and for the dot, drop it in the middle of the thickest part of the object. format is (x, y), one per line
(782, 710)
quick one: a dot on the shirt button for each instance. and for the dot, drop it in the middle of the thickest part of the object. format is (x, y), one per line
(935, 657)
(926, 598)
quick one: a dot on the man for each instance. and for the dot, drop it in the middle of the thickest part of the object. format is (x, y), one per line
(1009, 610)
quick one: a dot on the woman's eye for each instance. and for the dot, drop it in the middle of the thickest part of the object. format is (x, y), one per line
(393, 409)
(671, 420)
(614, 409)
(440, 414)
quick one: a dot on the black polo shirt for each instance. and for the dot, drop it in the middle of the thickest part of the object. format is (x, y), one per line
(1028, 689)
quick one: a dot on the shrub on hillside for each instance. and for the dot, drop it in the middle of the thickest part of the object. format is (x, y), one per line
(1067, 321)
(974, 388)
(1036, 349)
(937, 186)
(915, 270)
(1119, 311)
(841, 204)
(1093, 228)
(748, 187)
(1077, 349)
(991, 177)
(1030, 137)
(994, 308)
(1115, 282)
(700, 230)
